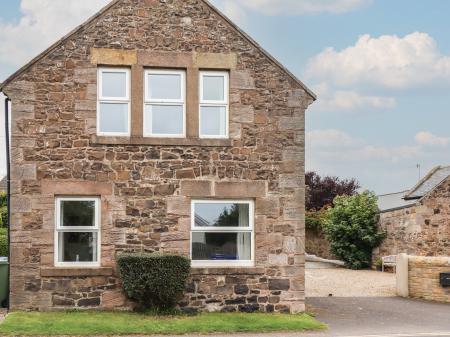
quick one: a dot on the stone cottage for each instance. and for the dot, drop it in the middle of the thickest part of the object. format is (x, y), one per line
(157, 125)
(417, 222)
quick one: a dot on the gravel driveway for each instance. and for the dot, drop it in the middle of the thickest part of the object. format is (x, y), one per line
(340, 282)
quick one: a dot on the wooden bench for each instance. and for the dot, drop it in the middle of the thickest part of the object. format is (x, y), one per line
(389, 261)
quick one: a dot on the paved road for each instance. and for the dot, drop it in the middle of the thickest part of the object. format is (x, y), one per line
(381, 316)
(374, 317)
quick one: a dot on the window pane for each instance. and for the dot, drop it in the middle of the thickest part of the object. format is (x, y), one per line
(221, 215)
(213, 120)
(114, 84)
(213, 88)
(77, 247)
(221, 246)
(164, 119)
(164, 86)
(114, 117)
(77, 213)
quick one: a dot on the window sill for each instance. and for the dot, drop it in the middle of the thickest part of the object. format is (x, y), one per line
(75, 271)
(107, 140)
(228, 271)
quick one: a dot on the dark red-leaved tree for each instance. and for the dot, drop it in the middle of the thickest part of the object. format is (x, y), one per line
(321, 191)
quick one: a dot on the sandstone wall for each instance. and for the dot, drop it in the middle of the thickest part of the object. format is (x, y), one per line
(317, 244)
(145, 185)
(423, 229)
(423, 278)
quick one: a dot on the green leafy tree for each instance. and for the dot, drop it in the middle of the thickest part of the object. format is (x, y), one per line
(351, 228)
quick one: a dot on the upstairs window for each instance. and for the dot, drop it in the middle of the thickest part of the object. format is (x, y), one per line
(113, 110)
(214, 104)
(222, 233)
(77, 233)
(165, 106)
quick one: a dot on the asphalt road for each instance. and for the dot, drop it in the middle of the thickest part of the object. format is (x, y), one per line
(373, 317)
(381, 316)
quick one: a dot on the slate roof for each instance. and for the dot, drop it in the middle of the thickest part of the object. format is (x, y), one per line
(393, 201)
(429, 182)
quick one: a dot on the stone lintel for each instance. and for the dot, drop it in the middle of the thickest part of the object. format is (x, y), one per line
(196, 188)
(241, 189)
(115, 57)
(87, 188)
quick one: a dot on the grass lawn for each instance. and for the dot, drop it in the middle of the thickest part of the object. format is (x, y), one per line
(123, 323)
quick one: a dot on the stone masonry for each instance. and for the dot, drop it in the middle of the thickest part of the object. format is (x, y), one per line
(422, 229)
(145, 184)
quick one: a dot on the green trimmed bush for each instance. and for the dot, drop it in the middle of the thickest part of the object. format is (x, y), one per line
(156, 280)
(3, 242)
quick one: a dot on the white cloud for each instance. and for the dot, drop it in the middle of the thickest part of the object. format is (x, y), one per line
(348, 100)
(234, 11)
(302, 7)
(330, 138)
(387, 61)
(42, 23)
(428, 139)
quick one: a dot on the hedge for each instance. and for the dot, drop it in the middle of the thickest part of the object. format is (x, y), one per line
(3, 242)
(154, 280)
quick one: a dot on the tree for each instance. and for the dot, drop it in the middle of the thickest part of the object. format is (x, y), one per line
(321, 191)
(351, 228)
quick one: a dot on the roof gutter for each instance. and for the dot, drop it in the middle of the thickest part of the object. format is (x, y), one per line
(8, 187)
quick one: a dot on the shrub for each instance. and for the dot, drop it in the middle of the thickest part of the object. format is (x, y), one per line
(154, 280)
(315, 219)
(3, 210)
(351, 228)
(3, 242)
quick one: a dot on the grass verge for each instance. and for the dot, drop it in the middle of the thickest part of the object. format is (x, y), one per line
(91, 323)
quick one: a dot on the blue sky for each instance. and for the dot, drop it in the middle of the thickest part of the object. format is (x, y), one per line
(381, 69)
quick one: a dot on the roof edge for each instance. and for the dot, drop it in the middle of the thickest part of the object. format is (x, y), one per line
(47, 51)
(421, 181)
(260, 48)
(56, 44)
(434, 188)
(398, 208)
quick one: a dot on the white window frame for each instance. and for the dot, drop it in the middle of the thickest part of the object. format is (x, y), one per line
(113, 100)
(148, 101)
(250, 229)
(71, 229)
(210, 103)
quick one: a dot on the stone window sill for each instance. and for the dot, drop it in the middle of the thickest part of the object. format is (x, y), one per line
(106, 140)
(228, 271)
(71, 272)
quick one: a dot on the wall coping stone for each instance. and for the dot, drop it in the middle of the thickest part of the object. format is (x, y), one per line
(70, 272)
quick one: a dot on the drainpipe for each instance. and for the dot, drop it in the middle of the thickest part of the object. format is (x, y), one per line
(8, 186)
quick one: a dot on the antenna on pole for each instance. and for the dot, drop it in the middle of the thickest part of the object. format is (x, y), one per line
(418, 167)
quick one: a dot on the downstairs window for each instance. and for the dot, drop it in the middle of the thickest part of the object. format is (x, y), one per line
(222, 233)
(77, 234)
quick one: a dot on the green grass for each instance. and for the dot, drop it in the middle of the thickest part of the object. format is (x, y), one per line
(122, 323)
